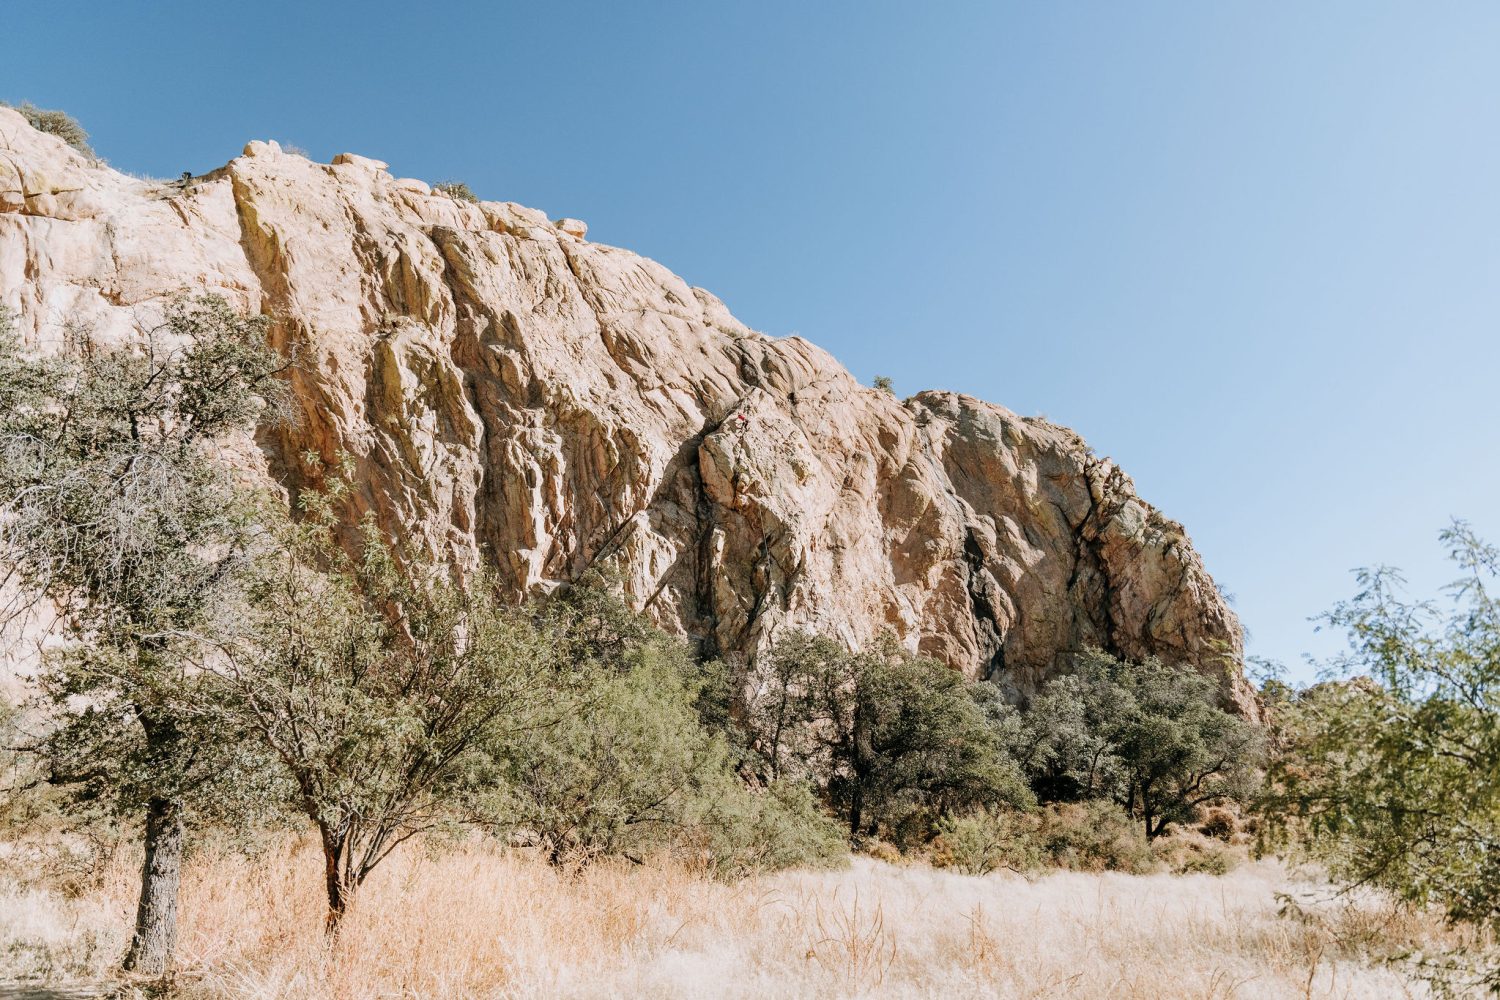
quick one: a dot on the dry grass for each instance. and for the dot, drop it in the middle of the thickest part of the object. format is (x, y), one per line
(478, 921)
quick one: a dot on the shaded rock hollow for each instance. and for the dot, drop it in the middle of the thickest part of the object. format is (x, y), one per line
(513, 393)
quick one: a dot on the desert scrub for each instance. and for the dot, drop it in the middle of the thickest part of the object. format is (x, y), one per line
(457, 190)
(474, 919)
(1186, 853)
(1094, 836)
(1219, 823)
(984, 841)
(1091, 836)
(58, 123)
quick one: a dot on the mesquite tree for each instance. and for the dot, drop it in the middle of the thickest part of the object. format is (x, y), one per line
(115, 507)
(891, 738)
(387, 691)
(1389, 773)
(1149, 735)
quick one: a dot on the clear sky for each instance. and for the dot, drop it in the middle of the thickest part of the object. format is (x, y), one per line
(1251, 250)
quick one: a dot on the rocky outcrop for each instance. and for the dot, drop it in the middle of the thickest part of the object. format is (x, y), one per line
(511, 392)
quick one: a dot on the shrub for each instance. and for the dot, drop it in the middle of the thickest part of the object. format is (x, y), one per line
(882, 850)
(630, 769)
(984, 841)
(457, 190)
(1191, 854)
(1094, 836)
(884, 383)
(742, 831)
(58, 123)
(1079, 836)
(1219, 823)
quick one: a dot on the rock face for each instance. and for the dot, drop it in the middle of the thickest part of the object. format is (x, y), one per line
(514, 393)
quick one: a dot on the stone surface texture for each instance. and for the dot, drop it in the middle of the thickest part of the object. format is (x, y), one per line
(513, 393)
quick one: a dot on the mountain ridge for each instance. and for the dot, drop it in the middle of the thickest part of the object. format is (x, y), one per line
(510, 391)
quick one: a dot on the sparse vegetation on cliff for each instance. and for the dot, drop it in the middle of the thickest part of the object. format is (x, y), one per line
(58, 123)
(457, 190)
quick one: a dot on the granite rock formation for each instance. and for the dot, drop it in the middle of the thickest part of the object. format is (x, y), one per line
(512, 392)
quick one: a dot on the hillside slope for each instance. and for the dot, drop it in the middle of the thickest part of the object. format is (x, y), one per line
(513, 392)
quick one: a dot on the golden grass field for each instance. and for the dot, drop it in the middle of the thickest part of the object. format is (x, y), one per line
(479, 921)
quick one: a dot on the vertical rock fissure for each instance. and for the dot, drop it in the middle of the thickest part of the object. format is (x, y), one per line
(989, 632)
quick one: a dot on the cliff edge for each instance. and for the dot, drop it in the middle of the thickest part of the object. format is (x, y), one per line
(513, 392)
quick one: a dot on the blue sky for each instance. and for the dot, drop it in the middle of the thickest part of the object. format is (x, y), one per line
(1250, 250)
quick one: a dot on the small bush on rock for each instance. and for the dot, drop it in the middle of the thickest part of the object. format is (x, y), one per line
(58, 123)
(457, 190)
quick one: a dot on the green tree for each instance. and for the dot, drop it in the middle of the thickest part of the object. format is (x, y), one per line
(1149, 735)
(1391, 775)
(1062, 740)
(387, 691)
(634, 766)
(889, 736)
(113, 505)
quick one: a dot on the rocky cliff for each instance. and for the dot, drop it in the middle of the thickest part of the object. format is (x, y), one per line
(516, 393)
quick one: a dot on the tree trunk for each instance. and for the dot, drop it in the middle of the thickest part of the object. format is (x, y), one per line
(862, 753)
(856, 808)
(334, 881)
(156, 914)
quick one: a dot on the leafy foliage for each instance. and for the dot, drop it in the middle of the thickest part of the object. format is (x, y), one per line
(1147, 735)
(384, 688)
(1392, 778)
(630, 768)
(984, 841)
(457, 190)
(891, 738)
(113, 507)
(1082, 836)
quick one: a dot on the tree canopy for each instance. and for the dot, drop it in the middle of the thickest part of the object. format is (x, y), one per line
(1389, 772)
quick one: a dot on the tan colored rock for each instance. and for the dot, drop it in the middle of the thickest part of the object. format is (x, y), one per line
(575, 228)
(549, 405)
(363, 162)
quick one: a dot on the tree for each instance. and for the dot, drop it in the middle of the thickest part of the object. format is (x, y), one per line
(1148, 735)
(888, 735)
(635, 765)
(386, 689)
(1062, 740)
(1389, 772)
(113, 505)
